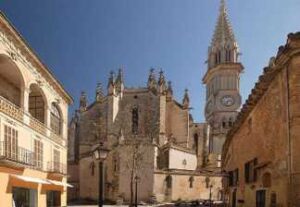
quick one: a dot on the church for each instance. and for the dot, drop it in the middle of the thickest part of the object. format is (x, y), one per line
(155, 145)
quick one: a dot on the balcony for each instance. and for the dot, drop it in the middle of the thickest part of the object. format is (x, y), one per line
(17, 113)
(37, 126)
(10, 109)
(57, 168)
(14, 156)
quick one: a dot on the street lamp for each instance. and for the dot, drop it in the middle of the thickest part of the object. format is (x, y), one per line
(100, 154)
(210, 201)
(210, 186)
(136, 178)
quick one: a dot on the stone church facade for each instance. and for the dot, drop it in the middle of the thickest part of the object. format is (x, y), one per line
(152, 137)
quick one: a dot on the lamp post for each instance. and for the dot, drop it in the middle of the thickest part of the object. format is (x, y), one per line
(136, 178)
(210, 187)
(209, 184)
(100, 154)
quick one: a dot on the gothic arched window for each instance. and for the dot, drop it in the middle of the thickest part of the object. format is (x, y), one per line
(135, 120)
(196, 142)
(115, 165)
(230, 123)
(191, 180)
(169, 181)
(223, 124)
(228, 55)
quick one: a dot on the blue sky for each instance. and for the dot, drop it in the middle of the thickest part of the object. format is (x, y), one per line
(81, 41)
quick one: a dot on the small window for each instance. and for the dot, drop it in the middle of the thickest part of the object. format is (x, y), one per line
(191, 181)
(233, 177)
(224, 124)
(169, 181)
(115, 165)
(250, 171)
(92, 168)
(207, 182)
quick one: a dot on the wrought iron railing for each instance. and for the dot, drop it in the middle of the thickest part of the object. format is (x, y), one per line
(14, 153)
(57, 167)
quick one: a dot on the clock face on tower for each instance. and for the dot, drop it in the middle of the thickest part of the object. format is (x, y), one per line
(227, 100)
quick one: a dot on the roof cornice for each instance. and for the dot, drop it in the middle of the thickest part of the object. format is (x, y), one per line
(32, 56)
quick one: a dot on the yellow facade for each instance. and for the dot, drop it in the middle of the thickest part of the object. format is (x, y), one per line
(33, 127)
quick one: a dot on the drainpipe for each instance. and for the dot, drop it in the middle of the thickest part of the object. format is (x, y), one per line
(290, 180)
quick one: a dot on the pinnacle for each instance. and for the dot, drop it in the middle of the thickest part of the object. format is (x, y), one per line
(223, 31)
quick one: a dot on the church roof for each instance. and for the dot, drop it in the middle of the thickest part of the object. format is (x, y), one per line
(223, 31)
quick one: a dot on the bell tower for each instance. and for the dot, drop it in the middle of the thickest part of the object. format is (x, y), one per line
(222, 79)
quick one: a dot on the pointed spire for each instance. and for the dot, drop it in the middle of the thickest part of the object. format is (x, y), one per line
(111, 83)
(99, 92)
(224, 47)
(83, 101)
(152, 83)
(169, 91)
(120, 78)
(186, 99)
(162, 82)
(120, 82)
(223, 31)
(111, 79)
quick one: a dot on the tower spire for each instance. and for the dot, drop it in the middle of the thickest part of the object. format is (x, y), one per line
(224, 47)
(223, 31)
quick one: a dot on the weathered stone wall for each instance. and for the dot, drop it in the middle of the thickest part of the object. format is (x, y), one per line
(268, 129)
(294, 101)
(177, 123)
(182, 160)
(262, 136)
(144, 170)
(181, 188)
